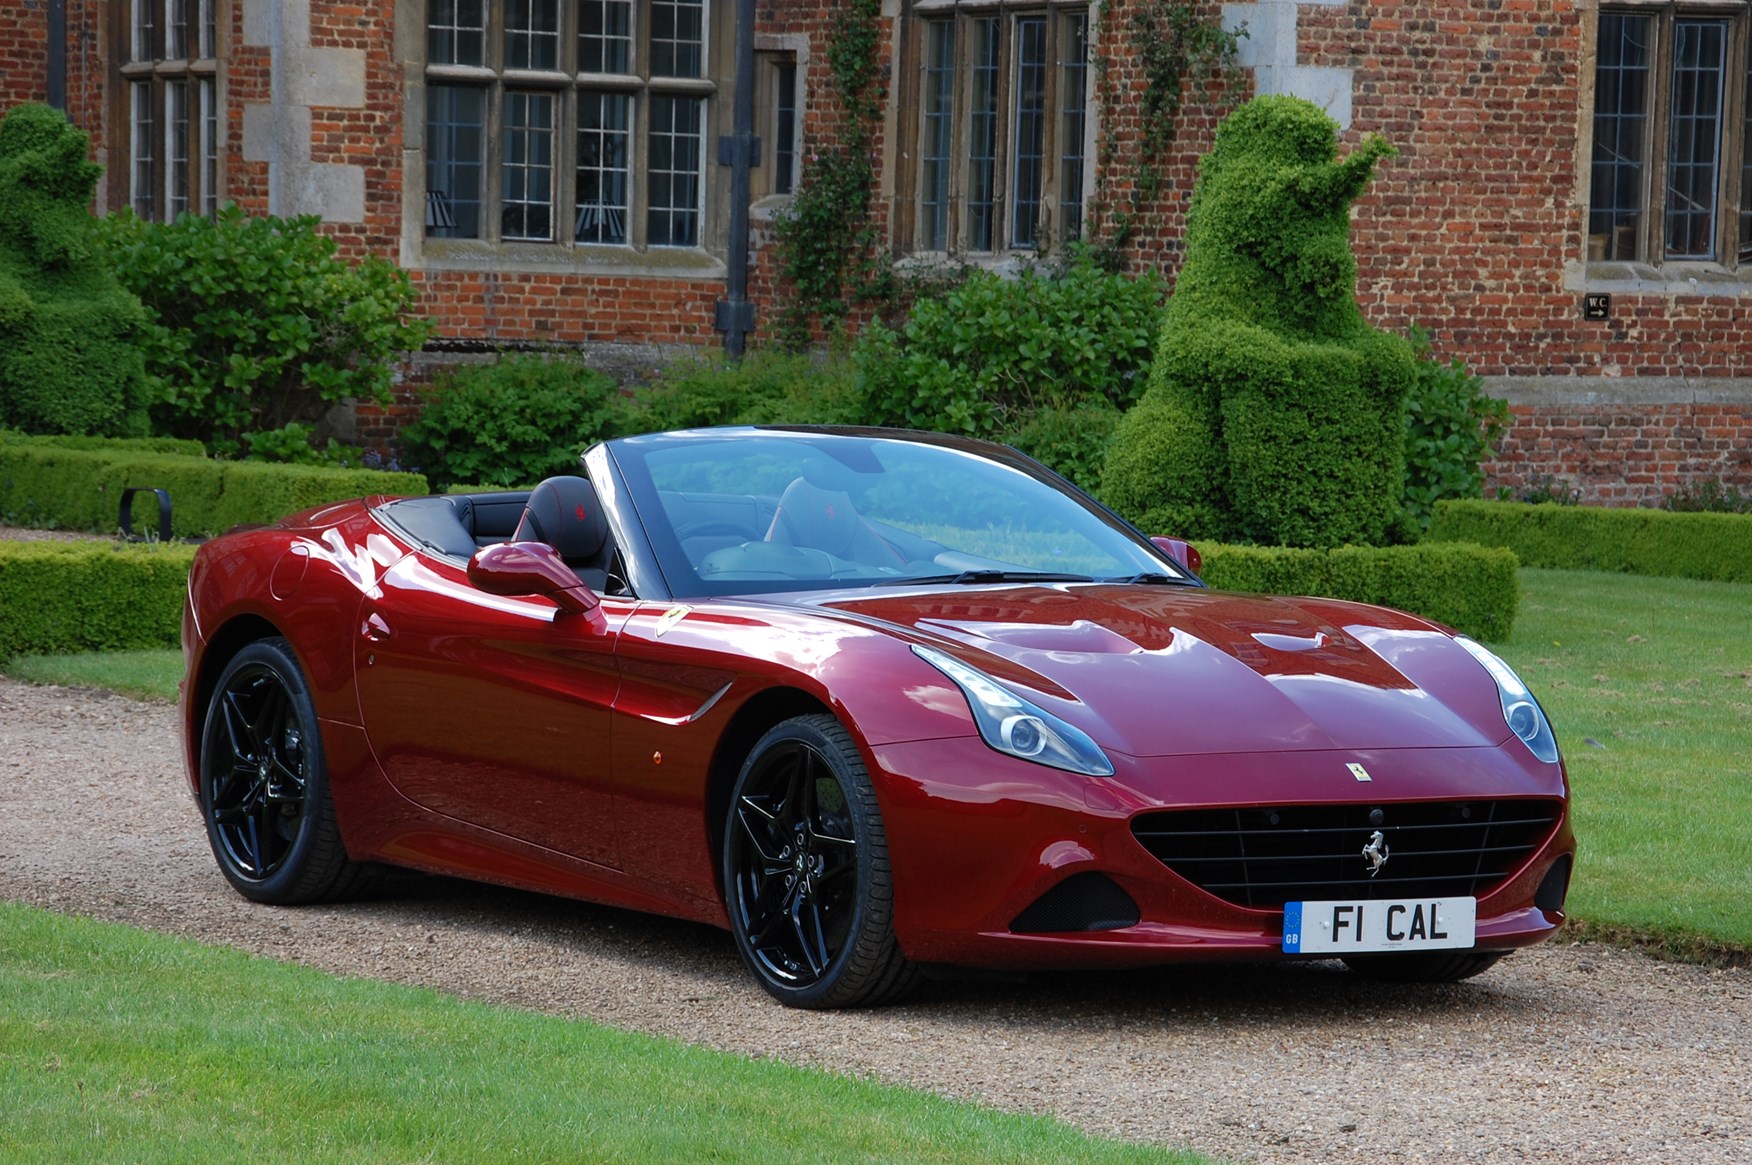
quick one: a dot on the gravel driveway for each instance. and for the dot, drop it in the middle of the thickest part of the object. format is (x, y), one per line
(1566, 1053)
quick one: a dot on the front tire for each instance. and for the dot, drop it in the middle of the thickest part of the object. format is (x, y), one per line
(264, 785)
(807, 883)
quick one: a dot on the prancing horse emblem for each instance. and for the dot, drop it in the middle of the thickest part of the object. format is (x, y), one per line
(1376, 852)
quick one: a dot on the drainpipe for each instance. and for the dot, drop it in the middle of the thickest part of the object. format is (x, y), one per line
(740, 151)
(58, 54)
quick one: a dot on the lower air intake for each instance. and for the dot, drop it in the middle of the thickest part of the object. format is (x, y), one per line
(1082, 902)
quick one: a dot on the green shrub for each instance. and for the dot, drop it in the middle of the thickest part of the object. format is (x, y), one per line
(765, 387)
(1472, 589)
(1450, 427)
(1071, 438)
(42, 484)
(177, 445)
(90, 596)
(69, 333)
(295, 444)
(1710, 546)
(512, 422)
(1274, 413)
(257, 322)
(987, 356)
(1708, 497)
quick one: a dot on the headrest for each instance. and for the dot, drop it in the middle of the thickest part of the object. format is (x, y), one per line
(563, 512)
(821, 518)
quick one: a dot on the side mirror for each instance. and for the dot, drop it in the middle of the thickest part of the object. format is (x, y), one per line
(530, 568)
(1181, 551)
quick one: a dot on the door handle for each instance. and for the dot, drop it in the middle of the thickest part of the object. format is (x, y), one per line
(375, 629)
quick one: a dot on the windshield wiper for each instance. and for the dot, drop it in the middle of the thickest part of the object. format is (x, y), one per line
(1150, 578)
(975, 577)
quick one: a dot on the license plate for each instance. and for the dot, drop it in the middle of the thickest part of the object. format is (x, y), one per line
(1407, 924)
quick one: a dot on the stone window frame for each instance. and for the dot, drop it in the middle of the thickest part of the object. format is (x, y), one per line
(168, 107)
(958, 222)
(1634, 259)
(422, 250)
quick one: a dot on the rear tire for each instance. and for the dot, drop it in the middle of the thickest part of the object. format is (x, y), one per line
(1424, 966)
(264, 784)
(807, 883)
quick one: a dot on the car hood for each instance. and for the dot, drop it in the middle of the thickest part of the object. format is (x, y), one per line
(1155, 671)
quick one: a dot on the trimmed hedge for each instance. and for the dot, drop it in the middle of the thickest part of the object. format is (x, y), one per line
(1710, 546)
(50, 484)
(131, 444)
(1474, 589)
(59, 597)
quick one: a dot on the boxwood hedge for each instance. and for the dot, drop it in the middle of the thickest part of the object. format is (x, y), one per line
(1711, 546)
(1473, 589)
(61, 485)
(58, 597)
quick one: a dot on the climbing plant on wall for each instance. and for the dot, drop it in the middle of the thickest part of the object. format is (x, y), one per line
(828, 245)
(1175, 43)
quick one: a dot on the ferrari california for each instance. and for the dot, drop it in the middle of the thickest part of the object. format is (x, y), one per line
(877, 702)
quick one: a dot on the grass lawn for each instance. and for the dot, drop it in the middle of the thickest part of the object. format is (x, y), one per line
(118, 1045)
(1648, 682)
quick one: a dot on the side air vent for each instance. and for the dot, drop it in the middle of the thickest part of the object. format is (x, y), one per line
(1082, 902)
(1263, 858)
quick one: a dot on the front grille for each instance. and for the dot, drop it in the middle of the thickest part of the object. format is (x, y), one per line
(1265, 857)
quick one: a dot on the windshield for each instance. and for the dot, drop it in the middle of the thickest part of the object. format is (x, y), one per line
(747, 511)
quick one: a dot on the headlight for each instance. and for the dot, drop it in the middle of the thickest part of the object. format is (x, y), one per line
(1015, 726)
(1526, 719)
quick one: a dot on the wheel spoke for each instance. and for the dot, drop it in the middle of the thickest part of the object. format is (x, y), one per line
(805, 917)
(761, 829)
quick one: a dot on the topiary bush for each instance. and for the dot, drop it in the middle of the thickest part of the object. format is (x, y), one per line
(1450, 427)
(1274, 414)
(69, 333)
(512, 422)
(257, 322)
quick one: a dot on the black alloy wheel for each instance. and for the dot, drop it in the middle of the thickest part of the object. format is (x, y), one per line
(264, 787)
(806, 875)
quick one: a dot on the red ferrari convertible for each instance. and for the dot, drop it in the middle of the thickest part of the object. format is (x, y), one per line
(875, 701)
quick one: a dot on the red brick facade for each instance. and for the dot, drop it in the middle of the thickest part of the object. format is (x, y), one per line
(1477, 231)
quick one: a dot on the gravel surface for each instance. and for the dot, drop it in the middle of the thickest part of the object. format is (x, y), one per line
(1565, 1053)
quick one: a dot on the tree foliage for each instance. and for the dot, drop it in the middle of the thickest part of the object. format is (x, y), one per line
(256, 323)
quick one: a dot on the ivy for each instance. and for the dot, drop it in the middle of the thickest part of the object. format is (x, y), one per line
(829, 249)
(1174, 44)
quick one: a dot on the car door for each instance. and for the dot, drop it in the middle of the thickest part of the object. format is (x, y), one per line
(492, 710)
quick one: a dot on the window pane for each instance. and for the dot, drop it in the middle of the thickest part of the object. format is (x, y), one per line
(176, 148)
(209, 41)
(145, 31)
(1745, 248)
(1029, 105)
(176, 30)
(143, 194)
(677, 38)
(532, 34)
(982, 135)
(456, 32)
(528, 168)
(1621, 113)
(673, 201)
(605, 36)
(1694, 137)
(456, 134)
(1073, 83)
(209, 147)
(604, 133)
(785, 128)
(935, 162)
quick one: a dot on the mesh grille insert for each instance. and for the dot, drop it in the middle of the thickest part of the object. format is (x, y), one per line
(1265, 857)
